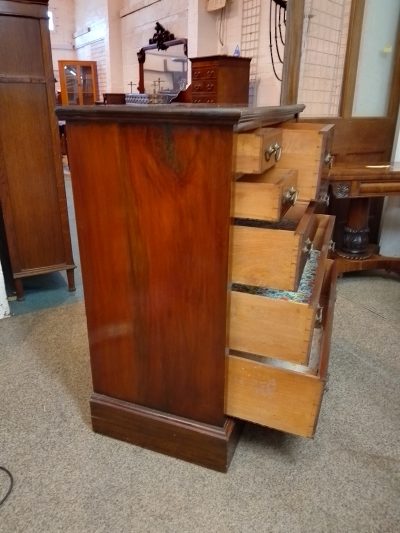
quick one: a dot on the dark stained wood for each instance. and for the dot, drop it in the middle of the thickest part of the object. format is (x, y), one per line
(153, 193)
(32, 192)
(208, 446)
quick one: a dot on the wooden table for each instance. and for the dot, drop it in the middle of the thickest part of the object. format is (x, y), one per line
(359, 184)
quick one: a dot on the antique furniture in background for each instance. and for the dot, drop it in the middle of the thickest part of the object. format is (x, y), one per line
(359, 185)
(32, 193)
(220, 79)
(193, 341)
(78, 80)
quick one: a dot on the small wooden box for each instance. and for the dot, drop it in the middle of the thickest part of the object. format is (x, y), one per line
(264, 196)
(220, 79)
(257, 151)
(307, 147)
(281, 395)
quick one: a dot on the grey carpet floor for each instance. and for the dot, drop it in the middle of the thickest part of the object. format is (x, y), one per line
(69, 479)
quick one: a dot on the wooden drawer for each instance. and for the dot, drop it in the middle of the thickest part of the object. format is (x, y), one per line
(265, 196)
(307, 147)
(257, 151)
(282, 395)
(279, 324)
(207, 72)
(201, 98)
(273, 255)
(204, 86)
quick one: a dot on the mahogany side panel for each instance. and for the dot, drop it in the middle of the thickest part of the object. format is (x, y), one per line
(152, 210)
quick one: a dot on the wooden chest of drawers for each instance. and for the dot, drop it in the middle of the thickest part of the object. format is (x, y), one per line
(197, 256)
(220, 80)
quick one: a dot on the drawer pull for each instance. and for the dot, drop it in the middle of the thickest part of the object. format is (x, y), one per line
(308, 246)
(329, 159)
(290, 196)
(273, 149)
(319, 315)
(331, 246)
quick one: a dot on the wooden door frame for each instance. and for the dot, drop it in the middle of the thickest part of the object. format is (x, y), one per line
(292, 60)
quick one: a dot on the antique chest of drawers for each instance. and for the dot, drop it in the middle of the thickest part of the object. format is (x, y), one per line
(220, 79)
(222, 293)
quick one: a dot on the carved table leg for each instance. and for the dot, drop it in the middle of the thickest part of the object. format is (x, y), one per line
(356, 231)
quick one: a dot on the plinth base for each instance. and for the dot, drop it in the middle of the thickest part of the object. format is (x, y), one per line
(198, 443)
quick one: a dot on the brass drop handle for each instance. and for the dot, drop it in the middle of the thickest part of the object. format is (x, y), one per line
(273, 149)
(329, 159)
(308, 246)
(290, 196)
(319, 315)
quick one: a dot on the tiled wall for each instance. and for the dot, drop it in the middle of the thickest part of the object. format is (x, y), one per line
(324, 47)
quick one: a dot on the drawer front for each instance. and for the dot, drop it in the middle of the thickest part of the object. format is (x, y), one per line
(204, 73)
(203, 98)
(306, 147)
(275, 258)
(285, 397)
(279, 324)
(257, 151)
(265, 196)
(204, 86)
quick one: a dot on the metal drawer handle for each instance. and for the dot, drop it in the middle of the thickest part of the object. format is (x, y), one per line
(290, 196)
(308, 246)
(319, 315)
(329, 159)
(273, 149)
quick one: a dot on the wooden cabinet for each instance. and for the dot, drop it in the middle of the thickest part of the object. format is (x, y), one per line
(78, 80)
(200, 334)
(220, 79)
(32, 193)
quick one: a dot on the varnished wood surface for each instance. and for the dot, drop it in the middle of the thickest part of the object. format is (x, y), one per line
(153, 227)
(205, 445)
(31, 178)
(244, 118)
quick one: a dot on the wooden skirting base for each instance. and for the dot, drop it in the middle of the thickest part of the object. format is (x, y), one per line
(198, 443)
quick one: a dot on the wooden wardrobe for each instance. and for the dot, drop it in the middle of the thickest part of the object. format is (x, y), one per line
(32, 193)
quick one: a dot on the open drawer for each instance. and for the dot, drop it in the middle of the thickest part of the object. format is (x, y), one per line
(257, 151)
(278, 324)
(307, 146)
(278, 394)
(274, 255)
(265, 196)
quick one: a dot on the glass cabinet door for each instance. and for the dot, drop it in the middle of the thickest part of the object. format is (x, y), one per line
(71, 82)
(78, 80)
